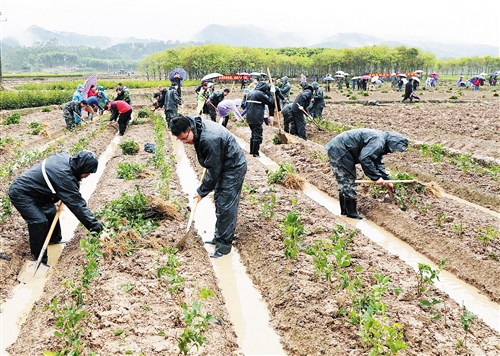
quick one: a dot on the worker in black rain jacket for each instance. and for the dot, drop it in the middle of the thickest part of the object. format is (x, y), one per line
(56, 178)
(257, 99)
(366, 147)
(226, 164)
(303, 99)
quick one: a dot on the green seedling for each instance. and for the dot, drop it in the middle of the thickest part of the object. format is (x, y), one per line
(459, 228)
(440, 219)
(466, 319)
(35, 127)
(126, 287)
(196, 324)
(293, 230)
(129, 170)
(280, 174)
(12, 119)
(427, 276)
(486, 234)
(268, 207)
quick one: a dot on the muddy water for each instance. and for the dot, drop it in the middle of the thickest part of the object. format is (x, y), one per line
(245, 305)
(14, 311)
(461, 292)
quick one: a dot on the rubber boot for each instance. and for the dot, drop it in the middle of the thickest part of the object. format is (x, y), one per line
(38, 233)
(343, 210)
(350, 205)
(256, 149)
(251, 147)
(226, 120)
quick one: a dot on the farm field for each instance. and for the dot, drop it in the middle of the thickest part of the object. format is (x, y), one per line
(317, 306)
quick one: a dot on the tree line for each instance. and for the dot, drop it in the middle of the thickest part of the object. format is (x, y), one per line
(292, 61)
(157, 59)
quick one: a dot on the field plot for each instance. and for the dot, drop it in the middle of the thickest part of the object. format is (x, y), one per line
(329, 289)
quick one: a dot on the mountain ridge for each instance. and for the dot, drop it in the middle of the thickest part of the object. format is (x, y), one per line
(253, 36)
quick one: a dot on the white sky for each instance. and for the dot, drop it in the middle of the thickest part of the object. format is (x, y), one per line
(458, 21)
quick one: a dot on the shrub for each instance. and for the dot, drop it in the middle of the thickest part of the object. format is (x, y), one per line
(12, 119)
(36, 127)
(46, 109)
(353, 97)
(496, 94)
(454, 97)
(129, 147)
(128, 170)
(143, 113)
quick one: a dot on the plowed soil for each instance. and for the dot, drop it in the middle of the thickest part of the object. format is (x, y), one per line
(305, 309)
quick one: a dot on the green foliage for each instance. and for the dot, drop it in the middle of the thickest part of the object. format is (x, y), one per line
(143, 113)
(12, 119)
(459, 228)
(129, 212)
(126, 287)
(276, 140)
(268, 207)
(196, 324)
(486, 234)
(11, 100)
(6, 207)
(36, 127)
(435, 151)
(46, 109)
(440, 219)
(353, 97)
(129, 147)
(278, 177)
(82, 144)
(129, 170)
(427, 276)
(170, 271)
(466, 319)
(6, 141)
(294, 230)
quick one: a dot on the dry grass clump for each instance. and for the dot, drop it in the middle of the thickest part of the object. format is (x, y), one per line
(125, 241)
(45, 134)
(163, 209)
(293, 181)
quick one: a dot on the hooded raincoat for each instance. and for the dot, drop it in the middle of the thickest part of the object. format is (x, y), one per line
(363, 146)
(256, 101)
(77, 95)
(285, 88)
(318, 101)
(226, 164)
(303, 99)
(57, 178)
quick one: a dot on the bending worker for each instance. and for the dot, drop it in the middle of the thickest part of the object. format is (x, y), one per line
(218, 152)
(364, 146)
(35, 191)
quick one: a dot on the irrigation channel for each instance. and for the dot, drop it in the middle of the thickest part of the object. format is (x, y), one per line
(245, 305)
(14, 311)
(457, 289)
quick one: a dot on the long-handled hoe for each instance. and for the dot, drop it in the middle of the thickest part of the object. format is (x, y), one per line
(190, 224)
(282, 137)
(34, 269)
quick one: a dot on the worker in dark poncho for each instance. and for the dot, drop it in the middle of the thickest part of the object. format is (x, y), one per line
(364, 146)
(57, 178)
(218, 152)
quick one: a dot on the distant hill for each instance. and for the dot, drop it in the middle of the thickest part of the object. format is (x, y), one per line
(37, 34)
(252, 36)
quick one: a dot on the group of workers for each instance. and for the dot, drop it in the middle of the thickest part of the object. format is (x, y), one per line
(57, 178)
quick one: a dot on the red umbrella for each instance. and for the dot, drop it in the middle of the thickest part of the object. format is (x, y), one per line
(434, 75)
(92, 80)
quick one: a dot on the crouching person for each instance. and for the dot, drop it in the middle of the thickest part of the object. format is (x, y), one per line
(72, 113)
(364, 146)
(56, 178)
(121, 111)
(226, 165)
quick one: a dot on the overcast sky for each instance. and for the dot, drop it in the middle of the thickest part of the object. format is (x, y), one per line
(458, 21)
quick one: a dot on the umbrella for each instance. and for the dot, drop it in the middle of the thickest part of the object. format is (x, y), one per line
(375, 78)
(419, 71)
(354, 78)
(393, 74)
(434, 75)
(257, 74)
(328, 79)
(402, 75)
(339, 76)
(92, 80)
(339, 72)
(242, 73)
(483, 74)
(415, 78)
(181, 72)
(365, 77)
(211, 76)
(478, 76)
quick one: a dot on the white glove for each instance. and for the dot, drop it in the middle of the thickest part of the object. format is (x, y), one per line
(273, 89)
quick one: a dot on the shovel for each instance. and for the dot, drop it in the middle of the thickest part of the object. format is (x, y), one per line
(283, 138)
(182, 241)
(33, 269)
(310, 117)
